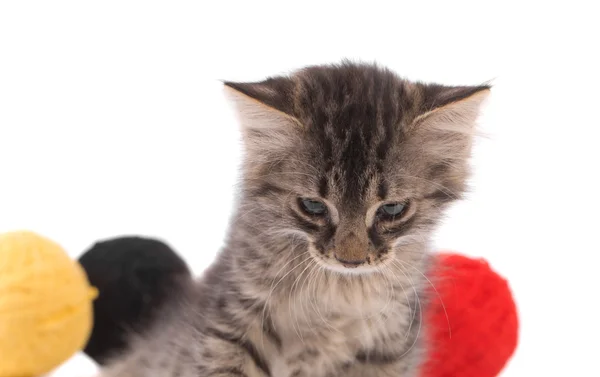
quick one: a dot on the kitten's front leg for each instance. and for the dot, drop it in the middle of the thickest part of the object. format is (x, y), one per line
(383, 364)
(398, 369)
(215, 353)
(227, 355)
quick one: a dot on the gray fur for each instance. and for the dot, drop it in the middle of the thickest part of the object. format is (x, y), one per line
(277, 302)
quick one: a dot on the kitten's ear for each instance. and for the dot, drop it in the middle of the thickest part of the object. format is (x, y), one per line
(276, 92)
(264, 110)
(448, 115)
(452, 107)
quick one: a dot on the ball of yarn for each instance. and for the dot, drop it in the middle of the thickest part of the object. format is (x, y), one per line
(475, 332)
(135, 276)
(45, 305)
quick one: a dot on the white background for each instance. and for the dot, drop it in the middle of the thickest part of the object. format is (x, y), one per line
(112, 122)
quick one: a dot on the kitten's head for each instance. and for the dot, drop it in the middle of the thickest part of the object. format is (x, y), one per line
(357, 160)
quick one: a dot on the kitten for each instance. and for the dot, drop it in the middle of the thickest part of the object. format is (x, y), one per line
(347, 170)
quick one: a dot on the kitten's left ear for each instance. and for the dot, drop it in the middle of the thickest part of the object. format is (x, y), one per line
(451, 108)
(446, 119)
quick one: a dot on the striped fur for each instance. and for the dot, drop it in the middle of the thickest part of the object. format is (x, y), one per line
(277, 302)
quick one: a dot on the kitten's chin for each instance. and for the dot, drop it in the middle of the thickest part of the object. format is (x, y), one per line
(358, 270)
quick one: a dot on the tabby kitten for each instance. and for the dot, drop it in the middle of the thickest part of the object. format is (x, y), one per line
(347, 170)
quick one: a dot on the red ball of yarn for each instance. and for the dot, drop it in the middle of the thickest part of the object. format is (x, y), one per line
(475, 332)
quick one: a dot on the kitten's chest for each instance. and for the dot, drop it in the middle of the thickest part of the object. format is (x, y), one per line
(324, 342)
(319, 349)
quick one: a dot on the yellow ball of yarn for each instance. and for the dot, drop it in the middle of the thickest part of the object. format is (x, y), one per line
(45, 305)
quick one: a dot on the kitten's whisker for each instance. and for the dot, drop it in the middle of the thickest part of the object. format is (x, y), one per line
(413, 312)
(436, 292)
(398, 281)
(406, 241)
(287, 232)
(381, 313)
(308, 297)
(418, 331)
(242, 215)
(261, 177)
(418, 302)
(286, 158)
(412, 321)
(323, 276)
(444, 189)
(294, 285)
(273, 286)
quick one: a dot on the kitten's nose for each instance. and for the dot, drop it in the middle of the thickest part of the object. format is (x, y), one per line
(351, 251)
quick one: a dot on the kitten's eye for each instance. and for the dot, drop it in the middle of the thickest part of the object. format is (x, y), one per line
(313, 207)
(392, 210)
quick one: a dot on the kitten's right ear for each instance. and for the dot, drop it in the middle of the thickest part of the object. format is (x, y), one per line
(264, 111)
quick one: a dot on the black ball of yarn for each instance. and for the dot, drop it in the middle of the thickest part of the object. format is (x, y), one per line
(135, 277)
